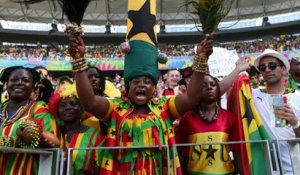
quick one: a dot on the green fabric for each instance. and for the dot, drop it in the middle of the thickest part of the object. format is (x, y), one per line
(141, 61)
(292, 84)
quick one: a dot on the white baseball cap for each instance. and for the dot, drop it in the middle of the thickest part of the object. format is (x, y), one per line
(275, 54)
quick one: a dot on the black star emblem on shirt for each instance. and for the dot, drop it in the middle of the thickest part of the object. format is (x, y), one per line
(143, 22)
(160, 108)
(119, 108)
(113, 132)
(106, 163)
(210, 152)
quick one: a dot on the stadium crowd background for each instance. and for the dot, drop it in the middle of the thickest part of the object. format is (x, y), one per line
(17, 51)
(55, 52)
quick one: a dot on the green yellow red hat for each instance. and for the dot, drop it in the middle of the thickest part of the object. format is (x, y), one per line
(141, 53)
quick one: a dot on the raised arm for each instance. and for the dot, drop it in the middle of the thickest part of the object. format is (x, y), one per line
(228, 81)
(96, 105)
(187, 101)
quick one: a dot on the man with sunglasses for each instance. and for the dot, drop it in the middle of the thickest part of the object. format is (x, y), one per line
(294, 79)
(274, 66)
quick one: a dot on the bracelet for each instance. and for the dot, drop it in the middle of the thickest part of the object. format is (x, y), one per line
(77, 60)
(7, 141)
(80, 65)
(82, 69)
(297, 125)
(200, 64)
(34, 131)
(73, 29)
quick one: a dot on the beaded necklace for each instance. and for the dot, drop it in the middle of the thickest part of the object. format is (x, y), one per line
(207, 118)
(5, 120)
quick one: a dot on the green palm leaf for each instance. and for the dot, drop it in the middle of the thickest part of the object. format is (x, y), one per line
(210, 13)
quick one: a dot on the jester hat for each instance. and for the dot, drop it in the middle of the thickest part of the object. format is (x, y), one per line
(142, 58)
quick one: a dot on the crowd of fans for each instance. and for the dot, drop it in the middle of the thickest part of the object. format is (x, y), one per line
(83, 111)
(283, 43)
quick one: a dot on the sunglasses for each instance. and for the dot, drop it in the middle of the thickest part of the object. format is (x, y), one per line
(271, 66)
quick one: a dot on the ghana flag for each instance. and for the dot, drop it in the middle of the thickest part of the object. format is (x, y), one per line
(250, 127)
(142, 59)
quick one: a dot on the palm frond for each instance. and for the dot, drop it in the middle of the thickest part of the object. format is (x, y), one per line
(210, 13)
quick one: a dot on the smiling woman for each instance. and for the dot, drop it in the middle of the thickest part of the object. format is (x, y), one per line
(24, 122)
(65, 105)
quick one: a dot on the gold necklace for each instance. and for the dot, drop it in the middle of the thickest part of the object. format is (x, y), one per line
(207, 118)
(4, 114)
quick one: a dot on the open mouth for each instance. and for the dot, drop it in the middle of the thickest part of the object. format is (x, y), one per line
(140, 94)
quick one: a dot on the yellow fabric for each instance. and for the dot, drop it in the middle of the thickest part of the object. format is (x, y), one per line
(136, 5)
(92, 122)
(172, 107)
(68, 90)
(199, 155)
(111, 90)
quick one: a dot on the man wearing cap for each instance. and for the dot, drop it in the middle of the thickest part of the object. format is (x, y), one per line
(273, 66)
(294, 79)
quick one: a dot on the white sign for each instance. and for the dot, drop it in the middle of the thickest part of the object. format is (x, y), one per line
(222, 61)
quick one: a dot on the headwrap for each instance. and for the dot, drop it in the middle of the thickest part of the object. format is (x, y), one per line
(64, 91)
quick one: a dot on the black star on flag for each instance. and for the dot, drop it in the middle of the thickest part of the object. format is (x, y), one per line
(106, 163)
(248, 114)
(143, 22)
(210, 152)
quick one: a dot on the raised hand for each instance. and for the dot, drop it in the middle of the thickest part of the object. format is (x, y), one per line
(205, 47)
(76, 46)
(242, 64)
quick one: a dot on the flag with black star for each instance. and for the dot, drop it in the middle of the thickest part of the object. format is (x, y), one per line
(141, 21)
(142, 59)
(250, 126)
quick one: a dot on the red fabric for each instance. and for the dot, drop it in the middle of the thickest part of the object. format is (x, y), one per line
(233, 102)
(168, 92)
(191, 123)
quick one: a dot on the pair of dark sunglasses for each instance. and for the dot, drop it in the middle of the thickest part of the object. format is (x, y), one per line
(271, 66)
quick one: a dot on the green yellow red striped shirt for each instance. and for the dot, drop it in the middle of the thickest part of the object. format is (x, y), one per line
(127, 129)
(14, 164)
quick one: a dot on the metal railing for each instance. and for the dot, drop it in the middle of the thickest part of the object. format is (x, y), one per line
(293, 147)
(70, 150)
(272, 155)
(46, 158)
(265, 144)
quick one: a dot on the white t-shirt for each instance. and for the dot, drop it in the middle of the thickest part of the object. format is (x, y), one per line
(263, 104)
